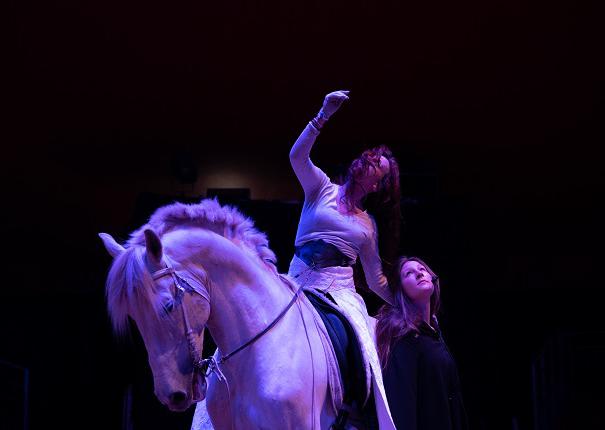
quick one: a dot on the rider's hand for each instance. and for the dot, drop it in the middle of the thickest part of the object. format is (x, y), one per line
(332, 103)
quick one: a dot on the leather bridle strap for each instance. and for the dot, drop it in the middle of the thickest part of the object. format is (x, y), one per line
(194, 351)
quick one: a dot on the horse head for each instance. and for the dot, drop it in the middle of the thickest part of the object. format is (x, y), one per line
(166, 278)
(170, 304)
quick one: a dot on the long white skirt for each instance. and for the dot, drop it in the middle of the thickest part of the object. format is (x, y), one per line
(338, 281)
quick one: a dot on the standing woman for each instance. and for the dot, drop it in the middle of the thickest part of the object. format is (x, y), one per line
(420, 375)
(335, 229)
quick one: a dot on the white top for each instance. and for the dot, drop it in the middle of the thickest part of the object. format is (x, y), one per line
(353, 234)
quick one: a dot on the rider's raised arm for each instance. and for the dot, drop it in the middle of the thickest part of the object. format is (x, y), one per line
(310, 176)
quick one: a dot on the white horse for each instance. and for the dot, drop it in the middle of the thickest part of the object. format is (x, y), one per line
(204, 265)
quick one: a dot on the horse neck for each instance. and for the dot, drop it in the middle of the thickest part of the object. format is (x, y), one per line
(244, 302)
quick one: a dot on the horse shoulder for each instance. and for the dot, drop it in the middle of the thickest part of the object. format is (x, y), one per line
(217, 403)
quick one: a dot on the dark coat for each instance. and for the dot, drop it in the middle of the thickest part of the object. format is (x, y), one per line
(422, 384)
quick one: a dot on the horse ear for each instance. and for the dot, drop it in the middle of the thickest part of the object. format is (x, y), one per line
(153, 245)
(113, 247)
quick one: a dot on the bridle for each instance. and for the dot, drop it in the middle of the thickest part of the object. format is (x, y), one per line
(209, 365)
(181, 286)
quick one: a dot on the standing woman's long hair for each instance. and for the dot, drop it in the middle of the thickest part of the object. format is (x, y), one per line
(394, 322)
(384, 205)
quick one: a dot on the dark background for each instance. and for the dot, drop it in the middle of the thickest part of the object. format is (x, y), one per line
(493, 109)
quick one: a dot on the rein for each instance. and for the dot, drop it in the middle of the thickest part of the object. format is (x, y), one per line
(259, 335)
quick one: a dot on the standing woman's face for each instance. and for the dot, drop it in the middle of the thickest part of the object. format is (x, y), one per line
(416, 282)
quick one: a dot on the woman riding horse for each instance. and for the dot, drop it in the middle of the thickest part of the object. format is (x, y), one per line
(334, 230)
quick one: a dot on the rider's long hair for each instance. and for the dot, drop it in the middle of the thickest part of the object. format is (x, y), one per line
(384, 204)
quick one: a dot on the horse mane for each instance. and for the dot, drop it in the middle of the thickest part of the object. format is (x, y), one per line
(129, 282)
(209, 214)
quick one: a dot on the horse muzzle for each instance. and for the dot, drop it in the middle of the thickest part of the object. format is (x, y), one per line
(180, 400)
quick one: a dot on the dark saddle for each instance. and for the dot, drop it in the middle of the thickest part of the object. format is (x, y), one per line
(350, 361)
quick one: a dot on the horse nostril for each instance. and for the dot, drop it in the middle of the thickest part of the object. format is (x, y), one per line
(177, 398)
